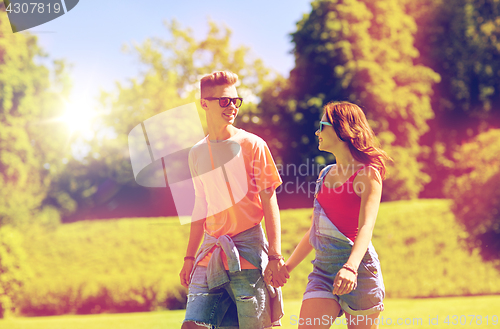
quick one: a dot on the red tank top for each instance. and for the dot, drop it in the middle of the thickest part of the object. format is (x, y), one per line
(341, 205)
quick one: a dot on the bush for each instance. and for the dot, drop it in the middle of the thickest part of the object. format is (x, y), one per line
(419, 246)
(126, 265)
(14, 271)
(475, 190)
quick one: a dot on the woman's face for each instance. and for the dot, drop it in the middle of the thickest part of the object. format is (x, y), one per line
(327, 138)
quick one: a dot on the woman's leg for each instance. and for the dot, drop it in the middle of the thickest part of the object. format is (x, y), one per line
(318, 313)
(363, 321)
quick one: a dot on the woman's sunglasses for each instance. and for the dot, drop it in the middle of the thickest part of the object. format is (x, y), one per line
(226, 101)
(322, 124)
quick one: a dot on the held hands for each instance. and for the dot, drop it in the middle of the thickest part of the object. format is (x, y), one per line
(186, 271)
(345, 280)
(276, 273)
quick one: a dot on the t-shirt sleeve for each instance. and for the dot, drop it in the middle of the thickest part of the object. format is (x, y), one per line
(199, 190)
(265, 173)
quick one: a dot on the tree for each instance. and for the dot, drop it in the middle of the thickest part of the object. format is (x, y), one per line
(361, 51)
(458, 39)
(171, 72)
(14, 270)
(31, 150)
(475, 190)
(173, 69)
(29, 158)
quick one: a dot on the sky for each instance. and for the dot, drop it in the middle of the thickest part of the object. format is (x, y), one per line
(91, 36)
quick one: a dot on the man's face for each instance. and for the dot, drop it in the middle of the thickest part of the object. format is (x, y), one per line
(221, 116)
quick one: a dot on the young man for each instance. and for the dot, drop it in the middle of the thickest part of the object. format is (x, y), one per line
(235, 178)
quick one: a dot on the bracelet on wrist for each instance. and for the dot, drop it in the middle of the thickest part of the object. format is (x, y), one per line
(189, 258)
(275, 257)
(350, 269)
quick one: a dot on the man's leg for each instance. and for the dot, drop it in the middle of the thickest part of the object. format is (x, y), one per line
(194, 325)
(248, 290)
(205, 308)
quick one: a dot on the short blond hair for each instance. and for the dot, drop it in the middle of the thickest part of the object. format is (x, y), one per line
(219, 78)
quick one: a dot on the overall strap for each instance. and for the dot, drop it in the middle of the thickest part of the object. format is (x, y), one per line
(325, 171)
(319, 181)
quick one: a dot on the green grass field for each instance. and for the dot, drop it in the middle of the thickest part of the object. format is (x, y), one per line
(132, 264)
(417, 313)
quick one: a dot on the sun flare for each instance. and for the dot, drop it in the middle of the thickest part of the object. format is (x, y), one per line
(78, 115)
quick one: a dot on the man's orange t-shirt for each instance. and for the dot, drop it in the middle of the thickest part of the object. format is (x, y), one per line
(229, 175)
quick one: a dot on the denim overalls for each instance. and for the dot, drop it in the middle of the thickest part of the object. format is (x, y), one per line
(332, 251)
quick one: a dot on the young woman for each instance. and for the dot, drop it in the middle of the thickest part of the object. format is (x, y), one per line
(346, 276)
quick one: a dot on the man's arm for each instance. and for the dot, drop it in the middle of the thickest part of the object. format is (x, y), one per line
(195, 237)
(273, 229)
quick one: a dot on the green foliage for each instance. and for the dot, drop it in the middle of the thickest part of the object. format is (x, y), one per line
(475, 190)
(30, 146)
(458, 39)
(419, 246)
(173, 68)
(108, 266)
(14, 270)
(133, 264)
(361, 51)
(31, 149)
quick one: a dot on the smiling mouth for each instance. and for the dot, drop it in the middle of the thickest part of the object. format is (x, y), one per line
(229, 115)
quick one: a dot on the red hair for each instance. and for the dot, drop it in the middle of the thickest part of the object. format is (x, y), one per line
(351, 126)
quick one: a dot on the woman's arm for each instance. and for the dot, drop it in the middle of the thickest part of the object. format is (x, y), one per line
(301, 251)
(299, 254)
(370, 188)
(371, 192)
(304, 247)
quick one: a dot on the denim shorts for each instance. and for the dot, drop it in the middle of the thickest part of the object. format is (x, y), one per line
(239, 304)
(368, 296)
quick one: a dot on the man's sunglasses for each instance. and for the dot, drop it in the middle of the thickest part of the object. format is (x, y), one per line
(322, 124)
(226, 101)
